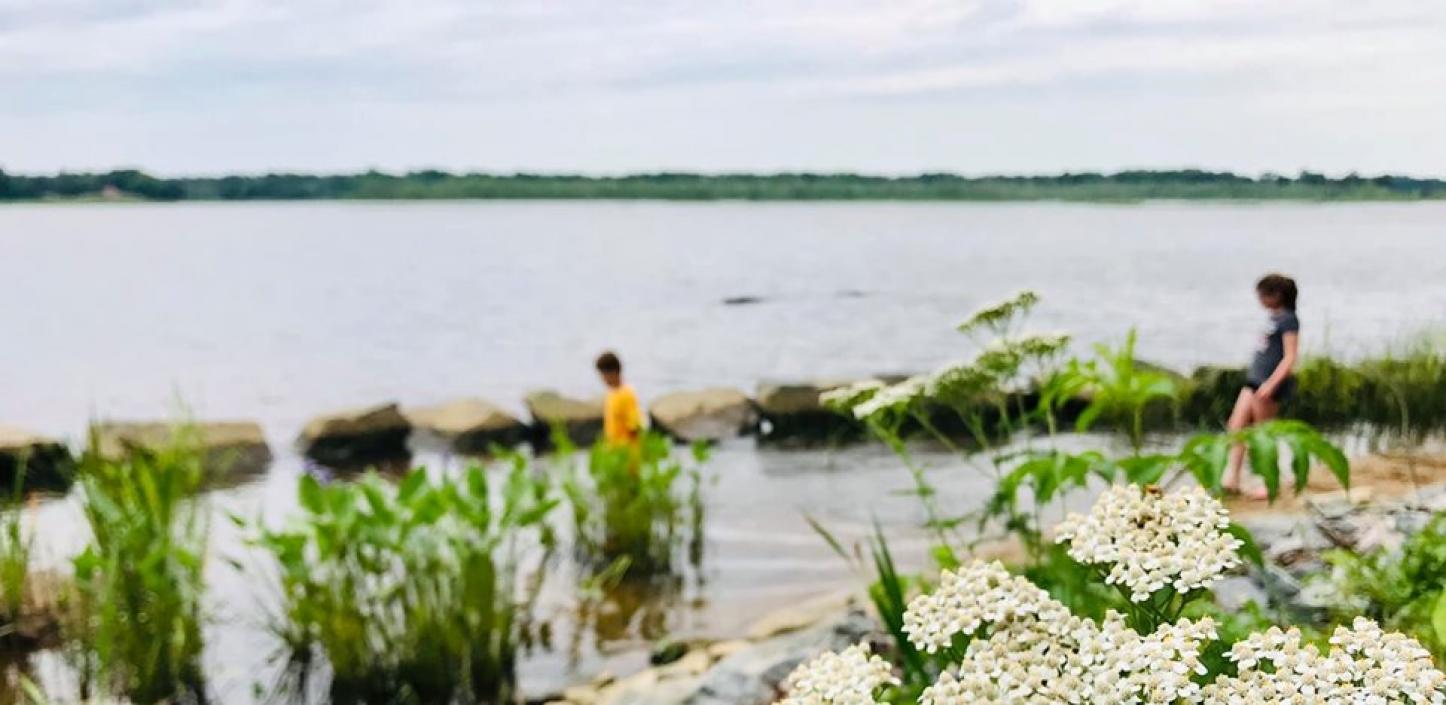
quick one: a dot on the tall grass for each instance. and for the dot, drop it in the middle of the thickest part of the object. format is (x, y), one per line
(630, 504)
(137, 630)
(409, 592)
(15, 554)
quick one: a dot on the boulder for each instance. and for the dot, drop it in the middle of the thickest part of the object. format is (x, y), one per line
(229, 448)
(356, 437)
(467, 425)
(582, 419)
(704, 415)
(792, 412)
(44, 463)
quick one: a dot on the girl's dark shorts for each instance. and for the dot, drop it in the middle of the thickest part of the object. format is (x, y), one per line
(1283, 393)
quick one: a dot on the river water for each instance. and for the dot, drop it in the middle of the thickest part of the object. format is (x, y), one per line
(275, 312)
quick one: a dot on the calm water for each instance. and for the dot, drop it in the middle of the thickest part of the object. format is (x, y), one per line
(278, 311)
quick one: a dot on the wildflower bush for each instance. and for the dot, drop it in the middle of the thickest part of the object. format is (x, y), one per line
(1404, 589)
(1004, 639)
(635, 509)
(409, 592)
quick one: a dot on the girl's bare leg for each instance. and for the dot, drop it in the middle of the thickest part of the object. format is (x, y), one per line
(1241, 417)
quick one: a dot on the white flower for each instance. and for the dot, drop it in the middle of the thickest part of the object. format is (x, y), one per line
(1151, 540)
(844, 399)
(977, 594)
(895, 397)
(852, 677)
(1366, 667)
(995, 314)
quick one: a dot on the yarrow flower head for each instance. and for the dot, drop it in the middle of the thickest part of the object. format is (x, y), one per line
(844, 399)
(1367, 666)
(851, 677)
(895, 397)
(1151, 540)
(977, 594)
(999, 313)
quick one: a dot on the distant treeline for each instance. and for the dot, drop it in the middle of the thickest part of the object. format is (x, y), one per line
(1121, 186)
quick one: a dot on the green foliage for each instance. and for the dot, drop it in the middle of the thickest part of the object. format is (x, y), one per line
(15, 552)
(137, 632)
(409, 591)
(630, 502)
(1118, 388)
(1119, 186)
(1402, 589)
(1206, 456)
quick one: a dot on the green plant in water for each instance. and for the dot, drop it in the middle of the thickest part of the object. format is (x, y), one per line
(1118, 388)
(15, 553)
(630, 502)
(137, 630)
(410, 592)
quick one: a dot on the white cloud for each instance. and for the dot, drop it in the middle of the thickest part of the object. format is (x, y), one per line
(487, 85)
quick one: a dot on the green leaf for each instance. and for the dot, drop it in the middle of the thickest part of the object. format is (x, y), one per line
(1264, 454)
(1438, 617)
(310, 495)
(1249, 550)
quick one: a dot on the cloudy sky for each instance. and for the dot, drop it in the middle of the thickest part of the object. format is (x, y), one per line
(604, 86)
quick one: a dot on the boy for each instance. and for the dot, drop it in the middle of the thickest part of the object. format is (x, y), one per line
(622, 420)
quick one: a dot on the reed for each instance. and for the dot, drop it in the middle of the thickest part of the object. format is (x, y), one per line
(409, 592)
(136, 632)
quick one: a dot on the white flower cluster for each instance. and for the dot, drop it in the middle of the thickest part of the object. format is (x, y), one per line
(976, 595)
(1074, 660)
(851, 677)
(844, 399)
(895, 397)
(1152, 540)
(995, 314)
(1367, 666)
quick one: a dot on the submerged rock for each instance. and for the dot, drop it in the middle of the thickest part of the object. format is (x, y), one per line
(356, 437)
(467, 425)
(228, 448)
(45, 463)
(705, 415)
(582, 419)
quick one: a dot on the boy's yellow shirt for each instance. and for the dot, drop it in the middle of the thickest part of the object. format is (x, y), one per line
(622, 419)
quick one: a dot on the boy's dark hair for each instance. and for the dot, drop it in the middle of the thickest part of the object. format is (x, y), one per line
(1279, 286)
(608, 362)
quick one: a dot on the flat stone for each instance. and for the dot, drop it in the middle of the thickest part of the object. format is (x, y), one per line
(705, 415)
(582, 419)
(45, 462)
(467, 425)
(799, 616)
(229, 448)
(354, 437)
(793, 412)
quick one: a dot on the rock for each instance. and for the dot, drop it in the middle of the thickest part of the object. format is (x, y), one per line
(229, 448)
(704, 415)
(792, 412)
(582, 419)
(752, 676)
(692, 664)
(667, 652)
(742, 300)
(1234, 592)
(357, 436)
(801, 615)
(45, 463)
(467, 425)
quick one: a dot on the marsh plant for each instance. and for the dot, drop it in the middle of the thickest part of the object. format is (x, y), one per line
(136, 627)
(637, 510)
(16, 547)
(411, 592)
(1006, 640)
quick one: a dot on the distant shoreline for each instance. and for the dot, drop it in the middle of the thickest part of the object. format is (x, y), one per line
(1125, 187)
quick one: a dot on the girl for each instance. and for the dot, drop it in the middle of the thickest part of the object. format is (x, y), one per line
(1269, 380)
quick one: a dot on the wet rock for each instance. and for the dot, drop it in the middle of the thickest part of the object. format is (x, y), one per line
(753, 676)
(356, 437)
(230, 449)
(45, 463)
(704, 415)
(467, 425)
(791, 411)
(742, 300)
(581, 419)
(801, 615)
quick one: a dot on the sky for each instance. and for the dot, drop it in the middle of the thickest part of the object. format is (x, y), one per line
(196, 87)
